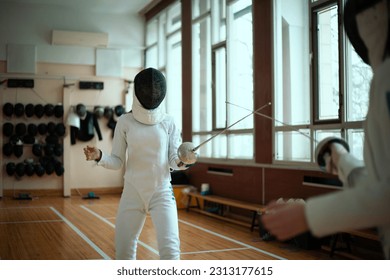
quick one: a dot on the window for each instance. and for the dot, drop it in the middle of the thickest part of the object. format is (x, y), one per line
(163, 52)
(321, 84)
(222, 73)
(326, 63)
(292, 81)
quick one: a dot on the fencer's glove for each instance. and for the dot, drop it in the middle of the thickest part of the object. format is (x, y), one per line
(92, 153)
(186, 154)
(323, 153)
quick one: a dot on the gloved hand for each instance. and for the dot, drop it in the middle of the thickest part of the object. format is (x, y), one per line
(328, 151)
(92, 153)
(186, 154)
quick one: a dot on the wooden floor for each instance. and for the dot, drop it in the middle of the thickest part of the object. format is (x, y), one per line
(55, 228)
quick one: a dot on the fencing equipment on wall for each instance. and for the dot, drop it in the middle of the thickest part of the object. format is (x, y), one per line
(83, 124)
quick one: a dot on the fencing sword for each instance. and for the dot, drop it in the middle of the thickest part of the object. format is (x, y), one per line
(322, 151)
(273, 119)
(246, 116)
(186, 151)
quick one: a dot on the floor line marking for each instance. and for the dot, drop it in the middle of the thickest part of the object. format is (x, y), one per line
(28, 222)
(233, 240)
(24, 207)
(198, 227)
(112, 225)
(82, 235)
(215, 251)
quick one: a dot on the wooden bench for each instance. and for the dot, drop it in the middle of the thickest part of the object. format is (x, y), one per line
(256, 209)
(363, 233)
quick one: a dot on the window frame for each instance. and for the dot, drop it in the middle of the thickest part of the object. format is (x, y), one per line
(316, 7)
(216, 43)
(214, 89)
(167, 25)
(343, 126)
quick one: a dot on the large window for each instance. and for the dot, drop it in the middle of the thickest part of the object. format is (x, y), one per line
(163, 52)
(321, 85)
(222, 75)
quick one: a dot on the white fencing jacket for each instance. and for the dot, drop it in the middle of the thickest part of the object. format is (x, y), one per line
(149, 140)
(366, 200)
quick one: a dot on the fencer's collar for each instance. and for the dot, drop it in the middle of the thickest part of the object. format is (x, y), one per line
(149, 117)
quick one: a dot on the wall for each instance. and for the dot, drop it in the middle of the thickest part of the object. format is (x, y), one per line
(256, 183)
(33, 24)
(57, 72)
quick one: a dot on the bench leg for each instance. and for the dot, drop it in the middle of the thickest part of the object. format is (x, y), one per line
(254, 216)
(197, 203)
(189, 203)
(345, 238)
(333, 243)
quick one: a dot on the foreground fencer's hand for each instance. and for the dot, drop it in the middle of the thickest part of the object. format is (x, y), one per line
(285, 220)
(330, 166)
(91, 153)
(328, 153)
(332, 159)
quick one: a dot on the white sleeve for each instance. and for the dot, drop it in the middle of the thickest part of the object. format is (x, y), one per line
(346, 167)
(363, 206)
(119, 146)
(174, 143)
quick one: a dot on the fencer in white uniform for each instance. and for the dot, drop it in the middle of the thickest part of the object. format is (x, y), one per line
(365, 202)
(146, 140)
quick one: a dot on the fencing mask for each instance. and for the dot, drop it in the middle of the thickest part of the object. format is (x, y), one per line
(150, 88)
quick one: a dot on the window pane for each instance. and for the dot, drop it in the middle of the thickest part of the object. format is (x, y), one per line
(241, 146)
(292, 146)
(174, 89)
(200, 7)
(226, 65)
(240, 57)
(219, 145)
(201, 79)
(291, 62)
(218, 16)
(220, 87)
(322, 134)
(151, 32)
(174, 18)
(355, 142)
(216, 148)
(328, 64)
(205, 150)
(359, 76)
(151, 57)
(162, 41)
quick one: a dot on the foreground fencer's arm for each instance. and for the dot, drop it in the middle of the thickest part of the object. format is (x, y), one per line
(349, 169)
(366, 203)
(319, 214)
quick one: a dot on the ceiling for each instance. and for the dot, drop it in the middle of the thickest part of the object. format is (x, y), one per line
(93, 6)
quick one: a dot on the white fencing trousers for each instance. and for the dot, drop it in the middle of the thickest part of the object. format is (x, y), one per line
(131, 217)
